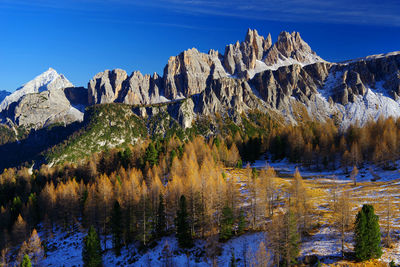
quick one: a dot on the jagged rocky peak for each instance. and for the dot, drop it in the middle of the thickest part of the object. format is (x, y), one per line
(241, 57)
(186, 74)
(291, 49)
(257, 54)
(141, 89)
(105, 86)
(117, 86)
(49, 98)
(258, 43)
(276, 87)
(48, 80)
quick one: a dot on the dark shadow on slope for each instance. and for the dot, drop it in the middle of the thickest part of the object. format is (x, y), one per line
(30, 149)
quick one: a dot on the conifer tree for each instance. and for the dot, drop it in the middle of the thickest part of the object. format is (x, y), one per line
(33, 248)
(301, 203)
(161, 222)
(342, 213)
(233, 260)
(116, 228)
(284, 239)
(241, 223)
(291, 240)
(367, 234)
(226, 223)
(183, 225)
(26, 262)
(262, 257)
(91, 251)
(19, 229)
(151, 155)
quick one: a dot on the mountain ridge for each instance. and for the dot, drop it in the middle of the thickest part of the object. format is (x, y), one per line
(199, 86)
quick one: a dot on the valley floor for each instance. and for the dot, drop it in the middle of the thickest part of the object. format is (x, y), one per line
(324, 241)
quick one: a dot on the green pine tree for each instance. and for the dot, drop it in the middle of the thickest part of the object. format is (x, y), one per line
(241, 223)
(290, 241)
(116, 228)
(233, 260)
(161, 222)
(26, 262)
(239, 164)
(151, 155)
(367, 234)
(91, 252)
(226, 226)
(183, 225)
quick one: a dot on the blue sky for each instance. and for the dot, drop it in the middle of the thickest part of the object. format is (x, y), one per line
(82, 38)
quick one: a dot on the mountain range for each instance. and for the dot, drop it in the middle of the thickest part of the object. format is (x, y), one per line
(285, 79)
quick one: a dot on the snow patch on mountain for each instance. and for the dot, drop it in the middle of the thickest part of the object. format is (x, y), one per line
(48, 80)
(309, 59)
(371, 106)
(374, 104)
(260, 66)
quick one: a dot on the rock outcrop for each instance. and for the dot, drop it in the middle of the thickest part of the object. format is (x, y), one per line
(192, 72)
(187, 74)
(228, 96)
(242, 57)
(290, 49)
(257, 54)
(47, 99)
(105, 86)
(353, 79)
(48, 80)
(140, 89)
(277, 87)
(34, 111)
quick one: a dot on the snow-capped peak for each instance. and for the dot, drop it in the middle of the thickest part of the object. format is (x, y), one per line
(48, 80)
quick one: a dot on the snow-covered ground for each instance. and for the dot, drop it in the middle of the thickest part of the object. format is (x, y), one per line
(339, 175)
(324, 242)
(66, 249)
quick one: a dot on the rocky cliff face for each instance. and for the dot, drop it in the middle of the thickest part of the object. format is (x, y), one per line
(140, 89)
(290, 49)
(241, 58)
(48, 80)
(105, 86)
(278, 86)
(35, 111)
(47, 99)
(260, 74)
(258, 54)
(187, 74)
(191, 72)
(254, 74)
